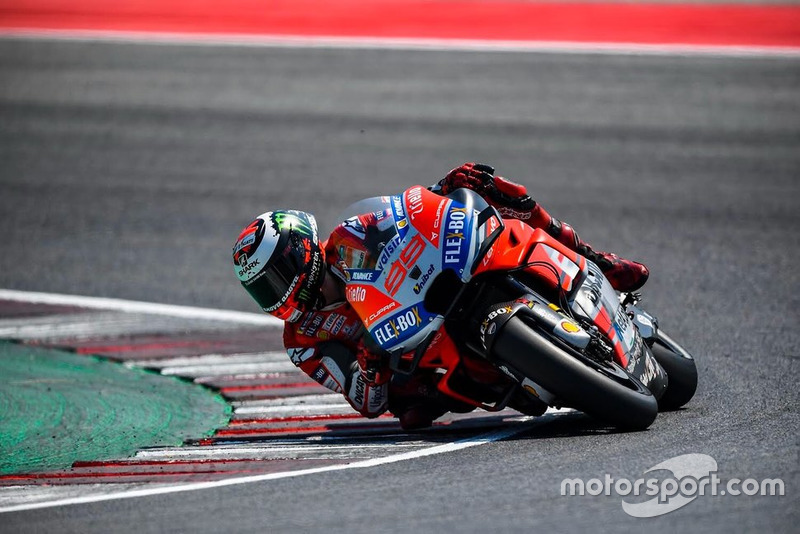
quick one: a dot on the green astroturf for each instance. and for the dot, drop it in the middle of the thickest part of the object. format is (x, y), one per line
(57, 407)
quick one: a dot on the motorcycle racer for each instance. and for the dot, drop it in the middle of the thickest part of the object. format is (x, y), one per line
(294, 276)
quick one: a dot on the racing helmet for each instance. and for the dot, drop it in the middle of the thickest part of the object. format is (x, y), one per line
(279, 261)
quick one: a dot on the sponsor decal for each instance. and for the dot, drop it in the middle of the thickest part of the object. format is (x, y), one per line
(454, 235)
(376, 398)
(354, 226)
(319, 374)
(356, 293)
(399, 269)
(285, 296)
(349, 329)
(361, 275)
(510, 213)
(388, 250)
(330, 320)
(246, 241)
(424, 279)
(338, 325)
(352, 257)
(487, 326)
(570, 327)
(415, 205)
(397, 207)
(358, 259)
(527, 302)
(309, 328)
(488, 257)
(303, 295)
(306, 321)
(399, 215)
(650, 373)
(541, 312)
(438, 221)
(287, 220)
(398, 327)
(299, 355)
(491, 225)
(527, 386)
(382, 311)
(358, 390)
(248, 267)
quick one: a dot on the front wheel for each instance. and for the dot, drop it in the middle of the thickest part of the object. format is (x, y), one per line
(681, 371)
(610, 394)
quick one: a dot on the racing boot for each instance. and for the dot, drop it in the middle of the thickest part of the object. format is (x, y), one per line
(417, 403)
(419, 416)
(625, 275)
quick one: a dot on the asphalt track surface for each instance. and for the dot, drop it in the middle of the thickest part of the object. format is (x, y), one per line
(128, 170)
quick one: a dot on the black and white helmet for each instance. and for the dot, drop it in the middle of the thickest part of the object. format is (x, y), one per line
(279, 261)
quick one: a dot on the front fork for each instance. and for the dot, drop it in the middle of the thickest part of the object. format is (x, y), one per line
(547, 317)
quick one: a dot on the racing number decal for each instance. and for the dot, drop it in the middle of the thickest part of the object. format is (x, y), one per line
(399, 269)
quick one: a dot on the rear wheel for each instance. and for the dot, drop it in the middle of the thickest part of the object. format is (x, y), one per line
(681, 371)
(604, 391)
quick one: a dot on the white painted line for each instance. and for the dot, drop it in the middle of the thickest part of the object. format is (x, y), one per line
(132, 306)
(262, 452)
(327, 398)
(213, 359)
(204, 380)
(383, 43)
(225, 368)
(374, 462)
(82, 326)
(326, 409)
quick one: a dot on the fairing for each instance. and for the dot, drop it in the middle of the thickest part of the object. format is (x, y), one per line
(430, 234)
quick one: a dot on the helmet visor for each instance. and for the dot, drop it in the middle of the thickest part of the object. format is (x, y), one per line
(274, 285)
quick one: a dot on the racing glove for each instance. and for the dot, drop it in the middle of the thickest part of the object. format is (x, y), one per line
(510, 198)
(475, 176)
(373, 366)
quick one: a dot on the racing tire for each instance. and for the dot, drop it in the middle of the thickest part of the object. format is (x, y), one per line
(681, 371)
(614, 397)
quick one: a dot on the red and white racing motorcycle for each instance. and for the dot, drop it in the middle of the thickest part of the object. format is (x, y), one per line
(504, 315)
